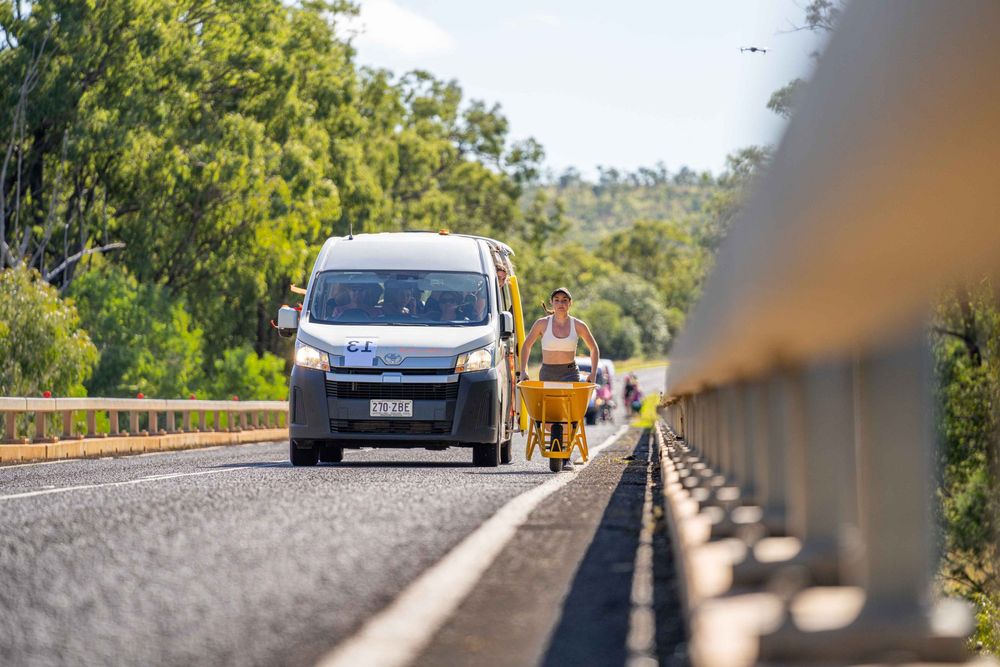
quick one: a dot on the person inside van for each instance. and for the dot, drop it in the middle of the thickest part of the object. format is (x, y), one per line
(501, 275)
(355, 308)
(448, 307)
(338, 297)
(396, 302)
(474, 308)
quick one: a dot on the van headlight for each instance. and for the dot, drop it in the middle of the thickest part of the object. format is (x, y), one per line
(310, 357)
(477, 360)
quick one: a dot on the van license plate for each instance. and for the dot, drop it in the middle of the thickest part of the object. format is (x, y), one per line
(391, 409)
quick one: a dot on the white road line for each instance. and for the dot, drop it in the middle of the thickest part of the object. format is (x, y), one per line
(154, 478)
(36, 463)
(396, 635)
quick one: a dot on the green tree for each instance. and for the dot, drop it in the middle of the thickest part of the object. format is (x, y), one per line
(967, 354)
(617, 334)
(147, 341)
(242, 372)
(664, 254)
(639, 301)
(42, 346)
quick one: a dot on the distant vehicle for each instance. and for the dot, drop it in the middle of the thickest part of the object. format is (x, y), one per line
(605, 377)
(405, 340)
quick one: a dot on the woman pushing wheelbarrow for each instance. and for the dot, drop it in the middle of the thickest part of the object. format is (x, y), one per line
(553, 400)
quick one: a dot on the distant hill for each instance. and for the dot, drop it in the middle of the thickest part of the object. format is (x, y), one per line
(618, 199)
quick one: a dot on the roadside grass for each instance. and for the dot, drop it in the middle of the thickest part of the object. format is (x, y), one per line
(639, 363)
(621, 367)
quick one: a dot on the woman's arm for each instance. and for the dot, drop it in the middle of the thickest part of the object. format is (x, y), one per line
(529, 340)
(583, 331)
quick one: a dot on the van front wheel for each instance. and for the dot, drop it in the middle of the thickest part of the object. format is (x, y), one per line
(486, 455)
(331, 453)
(303, 456)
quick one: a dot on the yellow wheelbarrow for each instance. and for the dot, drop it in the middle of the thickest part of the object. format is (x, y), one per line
(556, 412)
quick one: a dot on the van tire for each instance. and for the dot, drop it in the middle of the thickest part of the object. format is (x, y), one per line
(331, 453)
(303, 456)
(486, 455)
(506, 452)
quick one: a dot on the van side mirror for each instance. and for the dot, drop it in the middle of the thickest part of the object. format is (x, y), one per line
(506, 325)
(288, 321)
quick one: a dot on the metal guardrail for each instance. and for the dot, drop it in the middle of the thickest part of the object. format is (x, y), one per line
(800, 447)
(237, 416)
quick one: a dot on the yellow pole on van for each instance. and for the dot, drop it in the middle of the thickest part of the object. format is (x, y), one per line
(515, 297)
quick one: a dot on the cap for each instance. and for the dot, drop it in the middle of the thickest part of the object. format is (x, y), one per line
(563, 290)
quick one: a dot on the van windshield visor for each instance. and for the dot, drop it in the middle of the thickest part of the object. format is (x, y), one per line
(425, 298)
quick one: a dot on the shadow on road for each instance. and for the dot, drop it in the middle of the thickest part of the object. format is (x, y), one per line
(397, 464)
(595, 616)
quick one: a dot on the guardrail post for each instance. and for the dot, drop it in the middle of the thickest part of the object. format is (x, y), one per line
(712, 429)
(243, 420)
(202, 421)
(895, 563)
(738, 437)
(10, 426)
(171, 422)
(729, 430)
(758, 435)
(256, 419)
(775, 452)
(91, 423)
(153, 426)
(40, 419)
(186, 420)
(113, 426)
(67, 419)
(133, 422)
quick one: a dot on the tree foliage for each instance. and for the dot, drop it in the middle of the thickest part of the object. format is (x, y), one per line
(967, 354)
(174, 165)
(42, 347)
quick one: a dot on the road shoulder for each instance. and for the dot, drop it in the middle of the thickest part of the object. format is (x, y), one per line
(559, 593)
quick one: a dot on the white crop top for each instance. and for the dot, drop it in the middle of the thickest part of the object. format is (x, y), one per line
(552, 343)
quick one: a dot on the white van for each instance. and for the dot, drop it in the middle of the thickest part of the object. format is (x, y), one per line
(405, 340)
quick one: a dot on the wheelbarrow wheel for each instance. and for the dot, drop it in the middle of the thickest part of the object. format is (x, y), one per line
(486, 455)
(556, 465)
(506, 453)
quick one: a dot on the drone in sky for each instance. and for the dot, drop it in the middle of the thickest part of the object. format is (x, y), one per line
(752, 49)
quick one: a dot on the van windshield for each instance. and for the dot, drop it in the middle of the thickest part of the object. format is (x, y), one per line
(427, 298)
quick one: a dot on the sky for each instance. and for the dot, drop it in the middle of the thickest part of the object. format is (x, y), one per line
(620, 85)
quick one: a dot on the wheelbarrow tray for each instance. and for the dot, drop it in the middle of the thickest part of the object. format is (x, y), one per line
(556, 411)
(558, 401)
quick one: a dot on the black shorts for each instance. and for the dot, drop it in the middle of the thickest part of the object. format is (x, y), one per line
(559, 372)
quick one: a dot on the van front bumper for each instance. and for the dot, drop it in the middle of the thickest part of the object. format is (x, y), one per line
(466, 411)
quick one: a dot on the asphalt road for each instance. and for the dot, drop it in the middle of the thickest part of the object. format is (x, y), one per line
(230, 555)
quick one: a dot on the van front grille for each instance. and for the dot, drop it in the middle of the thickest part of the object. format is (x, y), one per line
(422, 391)
(390, 427)
(402, 371)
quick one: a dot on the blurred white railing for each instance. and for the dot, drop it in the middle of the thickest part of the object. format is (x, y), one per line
(145, 416)
(799, 458)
